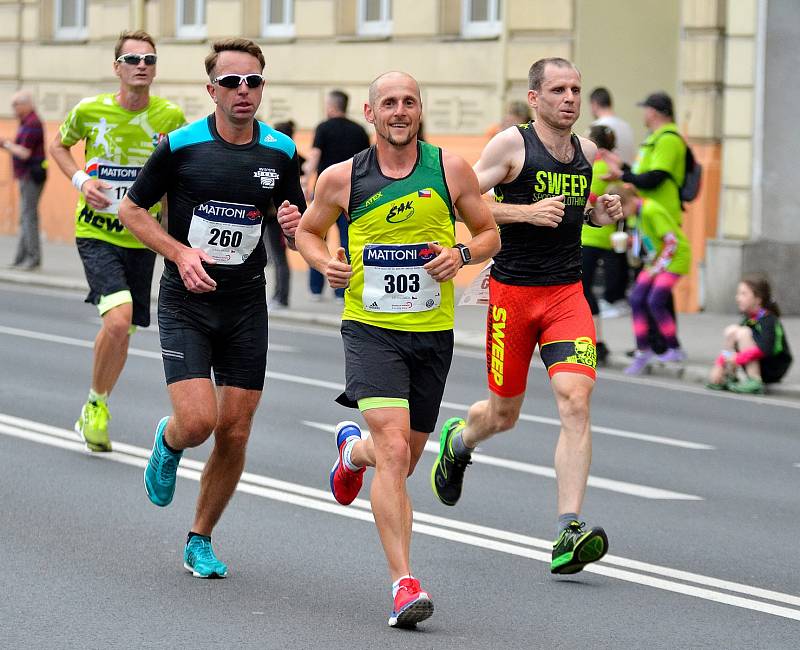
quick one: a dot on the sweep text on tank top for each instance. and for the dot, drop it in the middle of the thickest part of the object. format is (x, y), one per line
(548, 184)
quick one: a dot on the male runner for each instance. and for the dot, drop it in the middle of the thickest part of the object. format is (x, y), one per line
(120, 131)
(541, 174)
(212, 310)
(400, 197)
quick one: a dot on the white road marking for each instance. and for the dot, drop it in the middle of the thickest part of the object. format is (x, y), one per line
(622, 487)
(321, 383)
(651, 575)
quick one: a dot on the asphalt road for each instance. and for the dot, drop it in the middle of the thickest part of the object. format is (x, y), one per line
(697, 491)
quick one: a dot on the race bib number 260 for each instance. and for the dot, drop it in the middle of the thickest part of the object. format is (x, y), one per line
(394, 280)
(228, 232)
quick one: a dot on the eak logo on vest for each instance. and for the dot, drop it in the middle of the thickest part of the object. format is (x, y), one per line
(400, 212)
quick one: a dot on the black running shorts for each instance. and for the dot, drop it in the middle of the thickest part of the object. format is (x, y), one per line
(225, 332)
(112, 272)
(398, 365)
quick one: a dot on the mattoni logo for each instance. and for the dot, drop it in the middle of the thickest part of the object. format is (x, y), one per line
(267, 175)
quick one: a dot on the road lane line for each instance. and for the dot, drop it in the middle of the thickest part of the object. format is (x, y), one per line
(434, 526)
(622, 487)
(321, 383)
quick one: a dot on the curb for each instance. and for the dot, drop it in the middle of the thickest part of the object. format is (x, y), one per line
(690, 373)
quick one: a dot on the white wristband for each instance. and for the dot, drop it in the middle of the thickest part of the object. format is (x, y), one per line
(79, 178)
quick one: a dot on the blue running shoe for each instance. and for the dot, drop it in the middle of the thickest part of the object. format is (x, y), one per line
(199, 558)
(345, 483)
(161, 470)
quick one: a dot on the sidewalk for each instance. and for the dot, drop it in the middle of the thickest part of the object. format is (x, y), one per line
(700, 333)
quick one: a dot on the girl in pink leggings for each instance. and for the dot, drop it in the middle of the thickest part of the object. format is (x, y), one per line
(660, 241)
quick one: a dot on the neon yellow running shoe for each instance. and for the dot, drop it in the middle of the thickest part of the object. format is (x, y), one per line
(92, 426)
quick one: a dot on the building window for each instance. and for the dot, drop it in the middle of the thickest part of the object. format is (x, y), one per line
(70, 19)
(277, 18)
(480, 18)
(191, 19)
(375, 17)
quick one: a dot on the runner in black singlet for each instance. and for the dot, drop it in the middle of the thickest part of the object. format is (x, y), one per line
(220, 175)
(541, 174)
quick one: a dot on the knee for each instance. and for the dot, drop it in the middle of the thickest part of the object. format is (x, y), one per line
(574, 406)
(231, 437)
(503, 418)
(730, 331)
(395, 456)
(195, 428)
(117, 324)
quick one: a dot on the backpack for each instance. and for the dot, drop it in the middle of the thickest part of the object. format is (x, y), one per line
(692, 177)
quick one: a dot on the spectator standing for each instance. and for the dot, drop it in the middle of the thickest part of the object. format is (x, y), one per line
(277, 240)
(757, 344)
(28, 159)
(518, 113)
(602, 110)
(662, 244)
(335, 140)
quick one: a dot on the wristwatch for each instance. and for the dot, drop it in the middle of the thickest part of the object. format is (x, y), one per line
(466, 256)
(587, 218)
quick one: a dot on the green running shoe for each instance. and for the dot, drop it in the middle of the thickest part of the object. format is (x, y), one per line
(447, 474)
(748, 386)
(162, 469)
(92, 426)
(575, 548)
(199, 558)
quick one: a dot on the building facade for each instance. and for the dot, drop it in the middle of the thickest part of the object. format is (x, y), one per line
(727, 63)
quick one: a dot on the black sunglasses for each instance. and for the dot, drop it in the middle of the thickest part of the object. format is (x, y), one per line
(135, 59)
(235, 80)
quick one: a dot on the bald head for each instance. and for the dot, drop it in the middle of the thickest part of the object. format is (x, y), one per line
(387, 79)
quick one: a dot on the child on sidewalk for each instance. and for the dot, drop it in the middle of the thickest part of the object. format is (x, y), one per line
(758, 344)
(659, 240)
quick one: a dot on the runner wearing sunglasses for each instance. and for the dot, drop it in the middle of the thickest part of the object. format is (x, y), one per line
(120, 131)
(212, 310)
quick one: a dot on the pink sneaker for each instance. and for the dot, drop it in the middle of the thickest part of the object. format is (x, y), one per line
(641, 360)
(672, 355)
(411, 604)
(345, 484)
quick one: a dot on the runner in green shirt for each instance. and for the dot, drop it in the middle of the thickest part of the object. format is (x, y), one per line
(120, 131)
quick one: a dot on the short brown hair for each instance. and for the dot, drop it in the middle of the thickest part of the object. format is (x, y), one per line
(129, 35)
(536, 73)
(233, 45)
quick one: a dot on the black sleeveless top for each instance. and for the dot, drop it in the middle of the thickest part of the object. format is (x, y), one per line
(538, 255)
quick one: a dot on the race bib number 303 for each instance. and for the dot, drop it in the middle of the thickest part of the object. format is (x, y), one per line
(228, 232)
(394, 280)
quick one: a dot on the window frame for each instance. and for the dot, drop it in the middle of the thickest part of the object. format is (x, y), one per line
(382, 27)
(285, 29)
(196, 30)
(481, 28)
(79, 32)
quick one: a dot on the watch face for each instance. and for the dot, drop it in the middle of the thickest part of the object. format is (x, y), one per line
(466, 256)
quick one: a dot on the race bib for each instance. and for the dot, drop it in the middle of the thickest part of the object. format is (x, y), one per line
(477, 293)
(394, 280)
(119, 177)
(228, 232)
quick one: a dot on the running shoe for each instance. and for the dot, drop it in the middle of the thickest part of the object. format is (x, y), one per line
(576, 547)
(641, 359)
(345, 483)
(447, 474)
(199, 558)
(672, 355)
(161, 470)
(92, 426)
(411, 604)
(749, 386)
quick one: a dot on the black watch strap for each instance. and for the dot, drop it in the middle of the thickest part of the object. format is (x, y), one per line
(466, 256)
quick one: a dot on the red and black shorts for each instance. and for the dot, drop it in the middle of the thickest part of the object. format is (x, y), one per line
(555, 317)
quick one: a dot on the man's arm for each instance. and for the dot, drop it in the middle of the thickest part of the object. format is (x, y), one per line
(16, 150)
(500, 162)
(91, 188)
(293, 201)
(474, 211)
(330, 199)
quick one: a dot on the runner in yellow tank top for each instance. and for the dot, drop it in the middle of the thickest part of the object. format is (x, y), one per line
(400, 197)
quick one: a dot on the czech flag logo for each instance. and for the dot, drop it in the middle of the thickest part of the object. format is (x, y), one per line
(424, 194)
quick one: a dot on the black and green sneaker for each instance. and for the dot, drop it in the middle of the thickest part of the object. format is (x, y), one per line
(447, 475)
(576, 547)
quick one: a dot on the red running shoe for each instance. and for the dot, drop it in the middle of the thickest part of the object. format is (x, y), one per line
(411, 604)
(346, 484)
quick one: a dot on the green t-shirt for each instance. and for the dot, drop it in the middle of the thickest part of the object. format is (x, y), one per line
(118, 143)
(654, 223)
(664, 150)
(598, 237)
